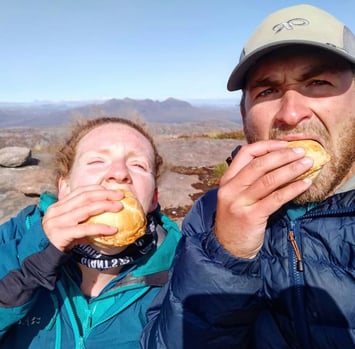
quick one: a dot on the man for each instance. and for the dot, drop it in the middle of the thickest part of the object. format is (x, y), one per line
(268, 259)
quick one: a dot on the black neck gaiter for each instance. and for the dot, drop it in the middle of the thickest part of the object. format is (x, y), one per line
(90, 257)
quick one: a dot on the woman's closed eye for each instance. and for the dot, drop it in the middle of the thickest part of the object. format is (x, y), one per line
(95, 161)
(140, 165)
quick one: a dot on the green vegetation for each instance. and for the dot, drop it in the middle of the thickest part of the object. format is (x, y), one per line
(219, 170)
(238, 134)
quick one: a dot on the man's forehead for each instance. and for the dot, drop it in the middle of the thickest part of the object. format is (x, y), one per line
(304, 58)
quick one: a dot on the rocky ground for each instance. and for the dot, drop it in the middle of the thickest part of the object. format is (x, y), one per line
(189, 170)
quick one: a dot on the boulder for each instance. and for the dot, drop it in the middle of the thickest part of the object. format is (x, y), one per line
(15, 156)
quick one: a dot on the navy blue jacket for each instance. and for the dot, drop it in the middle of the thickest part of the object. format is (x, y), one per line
(217, 301)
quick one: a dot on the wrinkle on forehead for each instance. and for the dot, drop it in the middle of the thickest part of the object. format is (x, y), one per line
(113, 137)
(297, 62)
(107, 134)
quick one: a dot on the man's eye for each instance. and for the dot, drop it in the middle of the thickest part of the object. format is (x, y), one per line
(265, 93)
(319, 82)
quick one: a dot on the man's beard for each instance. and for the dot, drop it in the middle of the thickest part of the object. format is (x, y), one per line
(331, 175)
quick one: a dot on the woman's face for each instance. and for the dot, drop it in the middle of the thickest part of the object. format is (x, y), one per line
(115, 156)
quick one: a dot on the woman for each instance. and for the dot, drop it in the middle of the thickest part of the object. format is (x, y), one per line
(57, 290)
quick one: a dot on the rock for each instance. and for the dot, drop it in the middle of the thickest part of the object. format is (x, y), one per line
(34, 182)
(175, 189)
(195, 151)
(21, 186)
(11, 202)
(14, 156)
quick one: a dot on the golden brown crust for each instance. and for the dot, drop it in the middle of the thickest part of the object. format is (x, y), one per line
(315, 151)
(130, 223)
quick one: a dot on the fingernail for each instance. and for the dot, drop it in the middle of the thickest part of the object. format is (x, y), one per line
(307, 161)
(307, 180)
(298, 150)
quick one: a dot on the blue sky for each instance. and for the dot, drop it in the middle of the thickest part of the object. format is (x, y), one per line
(98, 49)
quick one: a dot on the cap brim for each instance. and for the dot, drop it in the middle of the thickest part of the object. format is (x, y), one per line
(236, 80)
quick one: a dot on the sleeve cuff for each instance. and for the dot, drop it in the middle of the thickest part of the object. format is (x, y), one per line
(219, 254)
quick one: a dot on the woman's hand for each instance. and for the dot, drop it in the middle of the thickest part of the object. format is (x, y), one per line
(64, 221)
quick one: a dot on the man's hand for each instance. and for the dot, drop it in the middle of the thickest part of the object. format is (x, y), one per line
(257, 183)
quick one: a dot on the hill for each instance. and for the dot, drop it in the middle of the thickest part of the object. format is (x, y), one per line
(169, 111)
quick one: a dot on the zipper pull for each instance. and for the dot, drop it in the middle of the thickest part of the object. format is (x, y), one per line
(299, 264)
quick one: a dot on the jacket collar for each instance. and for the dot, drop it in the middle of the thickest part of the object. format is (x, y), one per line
(349, 185)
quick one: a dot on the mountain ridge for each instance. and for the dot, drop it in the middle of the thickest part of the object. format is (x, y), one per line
(171, 110)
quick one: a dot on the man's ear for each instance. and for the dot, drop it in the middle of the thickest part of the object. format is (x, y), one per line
(155, 200)
(63, 188)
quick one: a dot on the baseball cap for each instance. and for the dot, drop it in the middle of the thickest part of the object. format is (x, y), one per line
(301, 24)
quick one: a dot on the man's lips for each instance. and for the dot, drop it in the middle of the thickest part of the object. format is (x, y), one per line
(298, 137)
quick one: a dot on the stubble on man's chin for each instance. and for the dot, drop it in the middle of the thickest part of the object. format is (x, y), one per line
(333, 174)
(326, 183)
(317, 192)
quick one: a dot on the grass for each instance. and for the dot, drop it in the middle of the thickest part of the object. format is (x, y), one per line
(238, 134)
(219, 170)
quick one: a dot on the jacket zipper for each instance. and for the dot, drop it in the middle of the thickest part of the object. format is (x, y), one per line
(293, 241)
(297, 269)
(297, 272)
(296, 250)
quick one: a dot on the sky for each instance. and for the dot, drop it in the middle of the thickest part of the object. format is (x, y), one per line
(75, 50)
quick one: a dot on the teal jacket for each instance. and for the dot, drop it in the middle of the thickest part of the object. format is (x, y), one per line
(42, 306)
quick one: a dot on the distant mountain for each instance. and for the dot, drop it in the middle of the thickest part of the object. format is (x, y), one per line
(169, 111)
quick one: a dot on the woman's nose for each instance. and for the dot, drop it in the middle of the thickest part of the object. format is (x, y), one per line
(118, 172)
(293, 108)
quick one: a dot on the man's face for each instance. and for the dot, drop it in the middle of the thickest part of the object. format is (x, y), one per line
(302, 93)
(117, 157)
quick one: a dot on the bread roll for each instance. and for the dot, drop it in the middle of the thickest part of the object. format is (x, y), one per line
(130, 223)
(315, 151)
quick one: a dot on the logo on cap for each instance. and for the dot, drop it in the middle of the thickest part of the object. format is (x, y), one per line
(290, 24)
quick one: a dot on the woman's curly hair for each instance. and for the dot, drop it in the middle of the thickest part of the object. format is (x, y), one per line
(65, 156)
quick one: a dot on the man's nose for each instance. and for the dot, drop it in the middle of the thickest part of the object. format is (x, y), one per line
(118, 172)
(293, 108)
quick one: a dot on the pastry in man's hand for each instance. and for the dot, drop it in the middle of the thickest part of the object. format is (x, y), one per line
(315, 151)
